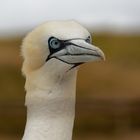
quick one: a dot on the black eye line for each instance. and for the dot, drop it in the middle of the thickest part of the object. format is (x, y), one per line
(63, 44)
(73, 39)
(63, 41)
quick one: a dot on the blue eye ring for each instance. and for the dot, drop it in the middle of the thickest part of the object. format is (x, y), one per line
(54, 43)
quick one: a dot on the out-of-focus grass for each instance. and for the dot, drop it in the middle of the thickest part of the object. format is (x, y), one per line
(108, 93)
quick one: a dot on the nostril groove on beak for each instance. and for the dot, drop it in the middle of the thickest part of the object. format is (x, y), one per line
(71, 50)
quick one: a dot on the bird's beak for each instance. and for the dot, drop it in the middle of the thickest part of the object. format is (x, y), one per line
(78, 51)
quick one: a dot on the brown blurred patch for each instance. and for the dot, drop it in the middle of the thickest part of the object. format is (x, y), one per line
(108, 93)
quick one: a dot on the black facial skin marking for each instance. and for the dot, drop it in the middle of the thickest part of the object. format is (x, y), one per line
(76, 65)
(56, 45)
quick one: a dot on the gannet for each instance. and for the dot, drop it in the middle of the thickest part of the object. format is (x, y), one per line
(52, 53)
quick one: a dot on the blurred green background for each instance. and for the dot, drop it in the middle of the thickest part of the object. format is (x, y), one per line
(108, 93)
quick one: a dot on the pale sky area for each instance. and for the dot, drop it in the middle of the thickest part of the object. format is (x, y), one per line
(19, 16)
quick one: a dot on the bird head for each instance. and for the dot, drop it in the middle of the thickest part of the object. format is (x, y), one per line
(59, 44)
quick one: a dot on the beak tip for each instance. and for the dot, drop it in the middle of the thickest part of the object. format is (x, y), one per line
(103, 57)
(101, 54)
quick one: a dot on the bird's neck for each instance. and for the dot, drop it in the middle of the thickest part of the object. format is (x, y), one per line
(50, 107)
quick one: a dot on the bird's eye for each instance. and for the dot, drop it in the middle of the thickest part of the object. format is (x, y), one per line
(54, 43)
(88, 40)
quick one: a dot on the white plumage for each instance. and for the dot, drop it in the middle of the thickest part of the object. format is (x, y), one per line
(51, 55)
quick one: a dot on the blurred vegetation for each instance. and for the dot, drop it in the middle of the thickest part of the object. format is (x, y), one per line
(108, 93)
